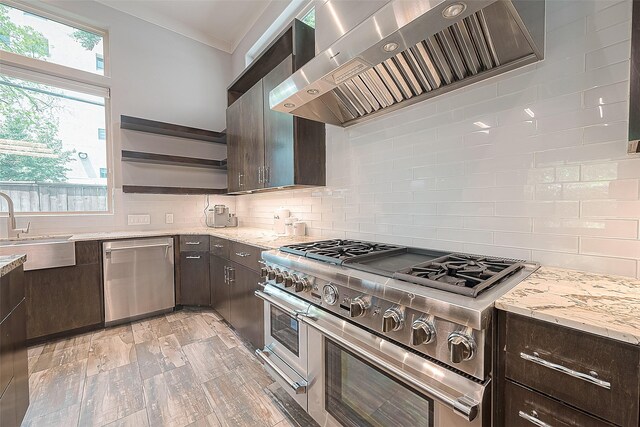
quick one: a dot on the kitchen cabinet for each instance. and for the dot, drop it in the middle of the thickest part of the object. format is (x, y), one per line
(66, 299)
(14, 376)
(563, 376)
(245, 309)
(233, 283)
(194, 271)
(245, 140)
(269, 149)
(219, 285)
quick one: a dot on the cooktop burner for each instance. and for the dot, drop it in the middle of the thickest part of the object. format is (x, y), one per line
(460, 273)
(337, 250)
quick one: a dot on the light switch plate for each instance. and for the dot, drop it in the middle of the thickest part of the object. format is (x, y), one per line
(168, 218)
(138, 219)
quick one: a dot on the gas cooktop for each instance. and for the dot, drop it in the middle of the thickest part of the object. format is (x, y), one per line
(462, 274)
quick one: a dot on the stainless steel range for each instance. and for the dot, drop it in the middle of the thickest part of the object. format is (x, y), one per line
(371, 334)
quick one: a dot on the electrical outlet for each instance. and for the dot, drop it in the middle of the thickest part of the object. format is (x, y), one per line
(138, 219)
(168, 218)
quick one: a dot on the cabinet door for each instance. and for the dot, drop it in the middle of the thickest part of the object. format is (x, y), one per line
(63, 299)
(278, 132)
(194, 278)
(246, 310)
(245, 139)
(219, 286)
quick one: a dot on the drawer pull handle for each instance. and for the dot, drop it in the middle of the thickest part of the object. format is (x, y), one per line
(533, 419)
(193, 257)
(243, 254)
(193, 243)
(218, 246)
(590, 378)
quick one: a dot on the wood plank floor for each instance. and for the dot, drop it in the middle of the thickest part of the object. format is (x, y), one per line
(186, 368)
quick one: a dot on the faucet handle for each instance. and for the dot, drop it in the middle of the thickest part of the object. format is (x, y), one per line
(25, 230)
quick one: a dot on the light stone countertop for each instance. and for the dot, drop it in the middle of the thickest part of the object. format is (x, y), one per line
(599, 304)
(260, 237)
(9, 263)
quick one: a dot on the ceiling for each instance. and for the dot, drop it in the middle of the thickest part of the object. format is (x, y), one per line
(218, 23)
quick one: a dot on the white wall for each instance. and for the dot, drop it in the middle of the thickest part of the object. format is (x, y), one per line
(558, 188)
(155, 74)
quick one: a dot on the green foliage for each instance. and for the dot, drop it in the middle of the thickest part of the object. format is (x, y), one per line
(310, 18)
(86, 39)
(27, 115)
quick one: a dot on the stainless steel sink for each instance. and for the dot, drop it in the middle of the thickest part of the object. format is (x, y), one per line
(42, 252)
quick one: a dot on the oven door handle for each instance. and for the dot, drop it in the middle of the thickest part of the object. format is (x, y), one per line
(299, 387)
(268, 298)
(463, 406)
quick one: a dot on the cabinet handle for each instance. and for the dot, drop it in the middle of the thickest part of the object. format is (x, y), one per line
(218, 246)
(243, 254)
(591, 377)
(192, 243)
(193, 257)
(260, 179)
(240, 184)
(226, 275)
(232, 276)
(267, 174)
(533, 419)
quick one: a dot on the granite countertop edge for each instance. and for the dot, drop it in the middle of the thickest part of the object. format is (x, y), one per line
(598, 304)
(8, 263)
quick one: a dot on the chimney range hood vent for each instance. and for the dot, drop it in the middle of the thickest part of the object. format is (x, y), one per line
(409, 51)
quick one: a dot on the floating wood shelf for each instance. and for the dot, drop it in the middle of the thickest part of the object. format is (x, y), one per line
(148, 189)
(165, 159)
(169, 129)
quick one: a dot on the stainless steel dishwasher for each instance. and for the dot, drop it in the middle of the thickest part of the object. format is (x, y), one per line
(138, 278)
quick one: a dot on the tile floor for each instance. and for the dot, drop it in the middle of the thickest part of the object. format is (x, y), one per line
(186, 368)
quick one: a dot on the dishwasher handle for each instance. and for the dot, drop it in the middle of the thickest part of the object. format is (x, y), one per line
(124, 248)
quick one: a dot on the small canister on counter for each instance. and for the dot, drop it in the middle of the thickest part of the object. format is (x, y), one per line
(288, 226)
(299, 228)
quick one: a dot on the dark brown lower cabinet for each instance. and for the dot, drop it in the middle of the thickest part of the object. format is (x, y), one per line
(14, 376)
(246, 310)
(219, 286)
(564, 376)
(61, 300)
(194, 278)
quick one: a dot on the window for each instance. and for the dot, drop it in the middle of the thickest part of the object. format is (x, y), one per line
(41, 38)
(99, 62)
(5, 41)
(49, 161)
(310, 18)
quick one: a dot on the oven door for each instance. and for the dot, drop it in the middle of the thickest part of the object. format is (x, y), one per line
(358, 379)
(285, 353)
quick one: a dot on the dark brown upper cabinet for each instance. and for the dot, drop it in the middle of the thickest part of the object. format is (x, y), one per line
(269, 150)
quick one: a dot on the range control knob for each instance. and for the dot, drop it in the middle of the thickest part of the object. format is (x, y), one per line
(462, 347)
(358, 307)
(264, 272)
(271, 274)
(288, 280)
(279, 276)
(330, 294)
(392, 320)
(422, 332)
(302, 285)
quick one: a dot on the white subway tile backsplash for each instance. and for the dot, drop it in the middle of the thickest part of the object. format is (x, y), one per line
(531, 164)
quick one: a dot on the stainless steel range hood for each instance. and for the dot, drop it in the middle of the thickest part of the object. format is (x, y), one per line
(408, 51)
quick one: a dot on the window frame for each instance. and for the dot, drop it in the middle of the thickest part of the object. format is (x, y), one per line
(65, 77)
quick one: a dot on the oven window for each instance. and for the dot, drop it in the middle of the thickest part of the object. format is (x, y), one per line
(284, 329)
(358, 395)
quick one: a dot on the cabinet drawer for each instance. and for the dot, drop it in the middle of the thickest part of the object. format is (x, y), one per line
(247, 255)
(597, 375)
(526, 408)
(219, 247)
(194, 243)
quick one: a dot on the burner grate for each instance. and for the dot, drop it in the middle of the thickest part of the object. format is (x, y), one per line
(337, 250)
(460, 273)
